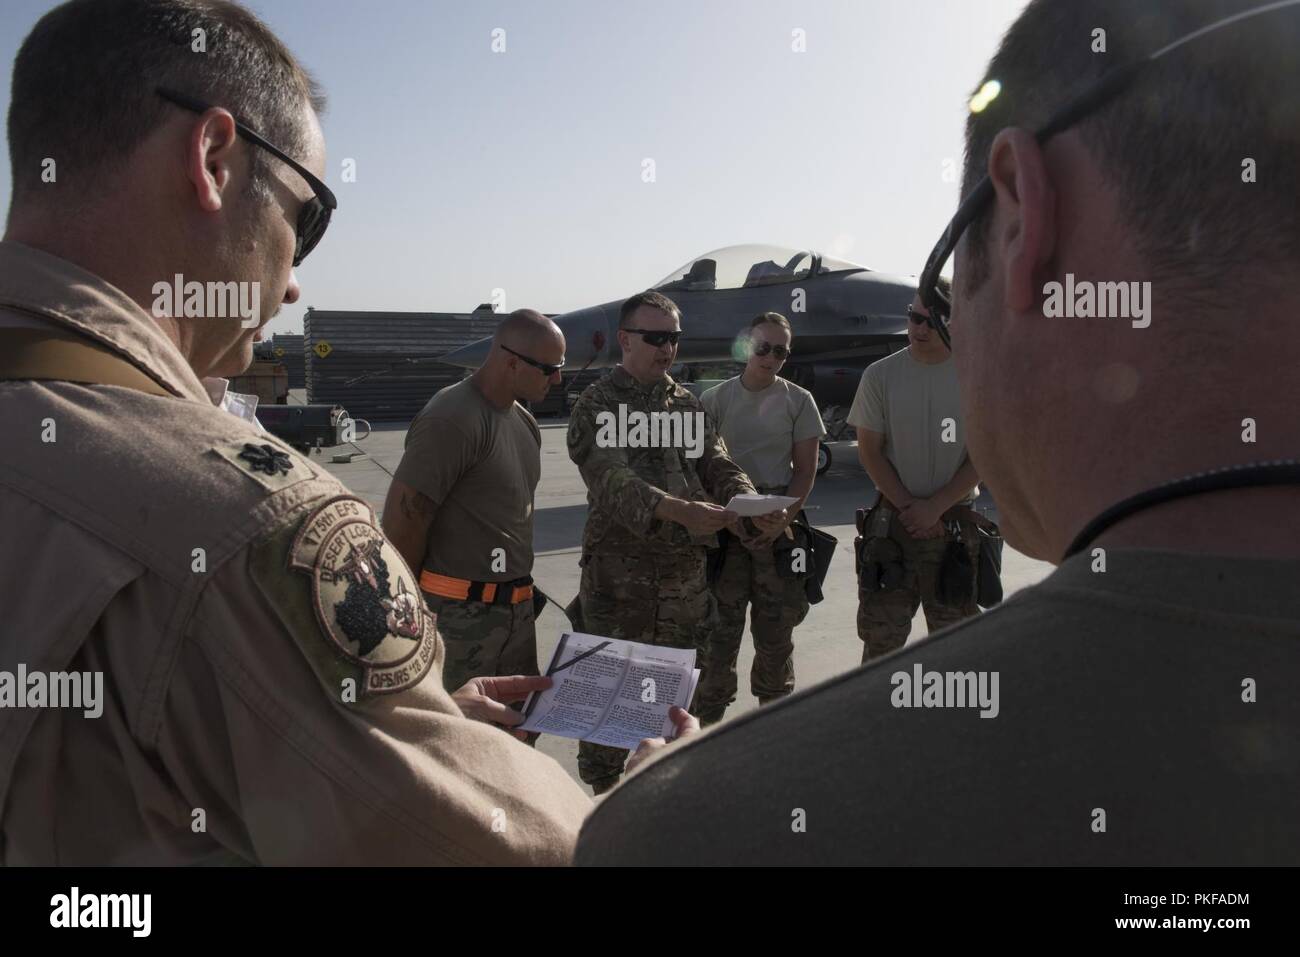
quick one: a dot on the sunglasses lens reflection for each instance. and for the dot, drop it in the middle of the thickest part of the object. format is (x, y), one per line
(311, 227)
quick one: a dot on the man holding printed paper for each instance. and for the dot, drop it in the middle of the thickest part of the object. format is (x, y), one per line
(652, 504)
(771, 426)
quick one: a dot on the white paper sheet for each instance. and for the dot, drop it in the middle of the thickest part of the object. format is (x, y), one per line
(751, 505)
(610, 691)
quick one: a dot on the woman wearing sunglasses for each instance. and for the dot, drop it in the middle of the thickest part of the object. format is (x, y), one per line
(771, 427)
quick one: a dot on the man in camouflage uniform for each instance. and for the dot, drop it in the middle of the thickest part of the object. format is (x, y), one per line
(771, 427)
(651, 518)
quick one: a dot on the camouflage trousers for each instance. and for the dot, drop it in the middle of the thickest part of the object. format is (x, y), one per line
(750, 580)
(482, 639)
(885, 615)
(658, 599)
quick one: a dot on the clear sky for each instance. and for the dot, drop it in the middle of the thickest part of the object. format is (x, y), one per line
(523, 170)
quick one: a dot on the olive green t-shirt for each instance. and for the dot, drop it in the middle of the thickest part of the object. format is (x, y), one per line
(479, 465)
(760, 428)
(1142, 715)
(918, 409)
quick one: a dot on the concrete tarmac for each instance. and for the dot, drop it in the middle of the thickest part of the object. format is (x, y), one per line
(826, 644)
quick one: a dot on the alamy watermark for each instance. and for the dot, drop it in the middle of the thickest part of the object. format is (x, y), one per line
(54, 689)
(651, 430)
(946, 689)
(76, 909)
(209, 300)
(1098, 300)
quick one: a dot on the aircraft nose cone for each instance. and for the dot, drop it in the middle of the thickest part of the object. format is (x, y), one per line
(586, 336)
(469, 357)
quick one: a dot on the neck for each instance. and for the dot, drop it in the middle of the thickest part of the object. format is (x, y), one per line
(756, 380)
(1260, 522)
(124, 266)
(492, 388)
(645, 380)
(930, 355)
(96, 247)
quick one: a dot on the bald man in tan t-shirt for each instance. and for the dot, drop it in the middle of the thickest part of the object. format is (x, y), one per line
(460, 507)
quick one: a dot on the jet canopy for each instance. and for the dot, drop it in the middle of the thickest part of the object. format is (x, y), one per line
(740, 267)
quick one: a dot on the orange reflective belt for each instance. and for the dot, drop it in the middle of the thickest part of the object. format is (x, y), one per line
(444, 586)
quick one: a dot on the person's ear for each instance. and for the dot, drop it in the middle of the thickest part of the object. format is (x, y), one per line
(209, 156)
(1023, 238)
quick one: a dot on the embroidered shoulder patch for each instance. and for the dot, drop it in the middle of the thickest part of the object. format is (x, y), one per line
(364, 597)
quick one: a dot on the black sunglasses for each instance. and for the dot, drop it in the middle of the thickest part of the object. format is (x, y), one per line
(656, 337)
(546, 367)
(779, 351)
(314, 217)
(917, 317)
(1091, 99)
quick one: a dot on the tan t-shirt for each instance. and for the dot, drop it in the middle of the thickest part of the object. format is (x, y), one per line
(480, 466)
(760, 428)
(917, 407)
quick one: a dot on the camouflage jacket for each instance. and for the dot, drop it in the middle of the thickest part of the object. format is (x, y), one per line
(625, 483)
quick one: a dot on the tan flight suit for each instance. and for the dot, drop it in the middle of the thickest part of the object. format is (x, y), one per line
(270, 677)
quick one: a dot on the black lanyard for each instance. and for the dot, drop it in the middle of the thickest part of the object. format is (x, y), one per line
(1281, 472)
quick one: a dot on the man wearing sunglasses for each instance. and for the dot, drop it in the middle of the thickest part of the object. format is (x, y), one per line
(460, 506)
(911, 441)
(271, 687)
(1148, 713)
(653, 511)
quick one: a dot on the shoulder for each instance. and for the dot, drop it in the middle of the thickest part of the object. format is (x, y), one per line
(884, 371)
(598, 391)
(601, 394)
(454, 404)
(332, 580)
(868, 730)
(797, 395)
(889, 363)
(680, 395)
(530, 420)
(153, 474)
(450, 416)
(720, 393)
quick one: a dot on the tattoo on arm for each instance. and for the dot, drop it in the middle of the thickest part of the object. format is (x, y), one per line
(416, 507)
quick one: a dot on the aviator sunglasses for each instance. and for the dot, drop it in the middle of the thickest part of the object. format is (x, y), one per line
(315, 214)
(656, 337)
(546, 367)
(780, 351)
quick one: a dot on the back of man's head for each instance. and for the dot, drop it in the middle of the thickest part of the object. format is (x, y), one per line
(1175, 201)
(84, 80)
(1175, 144)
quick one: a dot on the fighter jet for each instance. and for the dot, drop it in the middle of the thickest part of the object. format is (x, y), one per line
(844, 316)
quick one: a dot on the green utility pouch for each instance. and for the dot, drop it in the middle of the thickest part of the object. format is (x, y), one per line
(988, 590)
(786, 557)
(879, 559)
(818, 548)
(956, 585)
